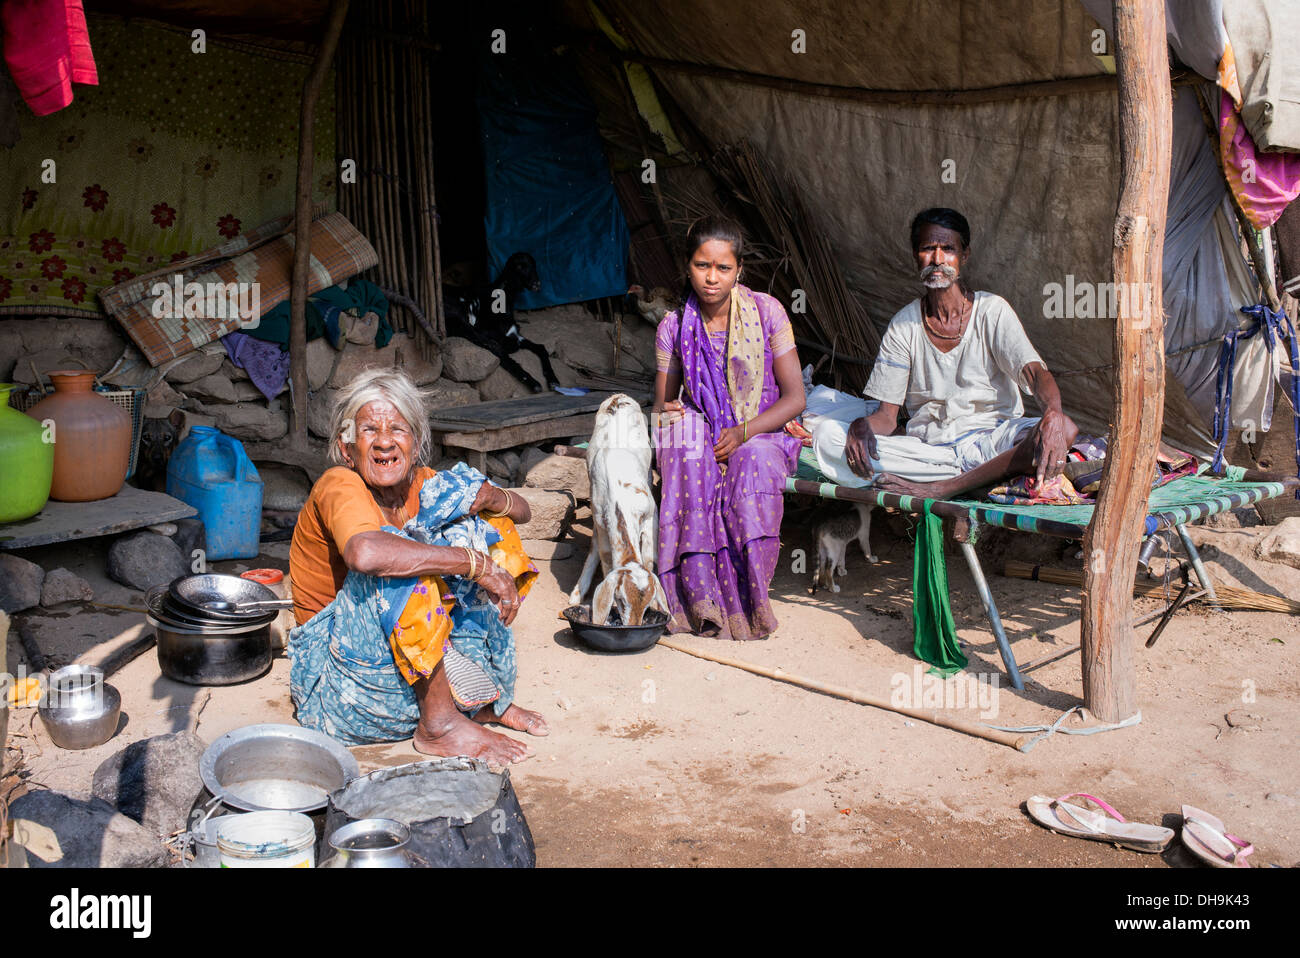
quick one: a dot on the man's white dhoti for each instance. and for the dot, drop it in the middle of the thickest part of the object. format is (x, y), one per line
(964, 405)
(907, 457)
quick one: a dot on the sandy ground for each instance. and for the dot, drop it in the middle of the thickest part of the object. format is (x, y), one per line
(660, 758)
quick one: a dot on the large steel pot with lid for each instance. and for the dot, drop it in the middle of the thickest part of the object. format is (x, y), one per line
(217, 654)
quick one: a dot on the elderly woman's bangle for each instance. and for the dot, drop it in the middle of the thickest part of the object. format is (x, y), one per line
(473, 572)
(510, 507)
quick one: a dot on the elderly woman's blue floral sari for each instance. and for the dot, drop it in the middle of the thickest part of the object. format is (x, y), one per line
(353, 664)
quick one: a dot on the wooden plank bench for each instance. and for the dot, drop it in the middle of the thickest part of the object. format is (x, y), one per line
(131, 508)
(488, 426)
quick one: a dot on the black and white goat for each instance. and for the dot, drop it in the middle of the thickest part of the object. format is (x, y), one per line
(486, 317)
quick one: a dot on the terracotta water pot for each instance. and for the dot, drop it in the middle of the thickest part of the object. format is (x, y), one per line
(26, 463)
(92, 438)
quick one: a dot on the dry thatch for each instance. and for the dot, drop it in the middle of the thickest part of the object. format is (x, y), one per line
(788, 253)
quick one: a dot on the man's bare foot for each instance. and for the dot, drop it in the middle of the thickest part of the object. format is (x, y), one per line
(519, 719)
(461, 736)
(921, 490)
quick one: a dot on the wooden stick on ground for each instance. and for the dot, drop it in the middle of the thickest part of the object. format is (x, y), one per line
(1011, 739)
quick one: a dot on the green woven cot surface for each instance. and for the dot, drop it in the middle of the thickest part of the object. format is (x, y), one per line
(1187, 493)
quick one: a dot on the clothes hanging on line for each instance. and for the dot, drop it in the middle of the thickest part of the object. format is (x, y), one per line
(47, 48)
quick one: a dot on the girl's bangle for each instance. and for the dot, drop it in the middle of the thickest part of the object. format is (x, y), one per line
(746, 433)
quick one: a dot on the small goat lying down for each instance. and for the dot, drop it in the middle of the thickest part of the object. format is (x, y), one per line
(625, 527)
(486, 317)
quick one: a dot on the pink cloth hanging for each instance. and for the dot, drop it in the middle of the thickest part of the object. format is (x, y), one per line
(47, 48)
(1264, 183)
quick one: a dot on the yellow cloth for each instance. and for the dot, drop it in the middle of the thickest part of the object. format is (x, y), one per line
(745, 355)
(423, 629)
(24, 693)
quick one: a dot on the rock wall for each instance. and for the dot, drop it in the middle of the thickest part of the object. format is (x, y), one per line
(211, 390)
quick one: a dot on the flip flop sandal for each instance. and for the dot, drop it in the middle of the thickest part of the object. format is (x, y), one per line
(1106, 825)
(1206, 838)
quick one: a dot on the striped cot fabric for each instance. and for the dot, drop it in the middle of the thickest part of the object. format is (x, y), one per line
(263, 256)
(1175, 503)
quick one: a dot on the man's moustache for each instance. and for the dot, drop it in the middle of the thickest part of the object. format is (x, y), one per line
(947, 272)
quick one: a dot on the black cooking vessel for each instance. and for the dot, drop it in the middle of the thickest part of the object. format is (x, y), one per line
(461, 813)
(198, 659)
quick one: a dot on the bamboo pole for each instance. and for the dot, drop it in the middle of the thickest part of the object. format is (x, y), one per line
(1137, 411)
(394, 148)
(378, 198)
(1070, 86)
(431, 264)
(302, 221)
(1009, 739)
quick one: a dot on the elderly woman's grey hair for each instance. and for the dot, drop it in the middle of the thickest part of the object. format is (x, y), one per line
(392, 385)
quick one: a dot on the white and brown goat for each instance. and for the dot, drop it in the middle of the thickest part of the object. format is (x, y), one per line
(625, 527)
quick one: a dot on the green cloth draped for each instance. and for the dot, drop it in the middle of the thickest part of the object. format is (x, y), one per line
(361, 296)
(934, 637)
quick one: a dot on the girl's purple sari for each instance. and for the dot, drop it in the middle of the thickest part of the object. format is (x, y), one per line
(719, 529)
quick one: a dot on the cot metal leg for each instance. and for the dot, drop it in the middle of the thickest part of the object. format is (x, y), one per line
(995, 620)
(1197, 566)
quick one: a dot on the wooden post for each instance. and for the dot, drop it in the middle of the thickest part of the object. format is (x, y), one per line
(1137, 412)
(302, 223)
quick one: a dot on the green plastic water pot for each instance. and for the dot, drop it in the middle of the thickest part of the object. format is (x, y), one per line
(26, 462)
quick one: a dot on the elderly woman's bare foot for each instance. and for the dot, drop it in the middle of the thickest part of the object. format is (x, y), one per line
(460, 736)
(519, 719)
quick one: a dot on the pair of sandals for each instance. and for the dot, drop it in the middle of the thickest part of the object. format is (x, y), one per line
(1202, 834)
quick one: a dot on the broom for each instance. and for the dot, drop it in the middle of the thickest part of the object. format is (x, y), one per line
(1229, 597)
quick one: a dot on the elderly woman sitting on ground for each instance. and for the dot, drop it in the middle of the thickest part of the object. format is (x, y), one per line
(405, 582)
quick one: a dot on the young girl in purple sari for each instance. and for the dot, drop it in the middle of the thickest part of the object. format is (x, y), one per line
(722, 450)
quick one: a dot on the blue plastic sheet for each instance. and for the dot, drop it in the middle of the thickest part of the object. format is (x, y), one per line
(549, 188)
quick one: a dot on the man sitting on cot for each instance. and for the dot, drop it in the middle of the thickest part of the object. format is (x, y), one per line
(956, 358)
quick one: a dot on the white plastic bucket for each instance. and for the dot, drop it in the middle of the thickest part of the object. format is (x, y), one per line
(266, 840)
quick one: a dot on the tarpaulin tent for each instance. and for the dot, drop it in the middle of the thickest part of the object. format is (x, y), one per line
(549, 189)
(1005, 111)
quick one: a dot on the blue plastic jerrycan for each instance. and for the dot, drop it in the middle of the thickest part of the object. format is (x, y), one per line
(211, 472)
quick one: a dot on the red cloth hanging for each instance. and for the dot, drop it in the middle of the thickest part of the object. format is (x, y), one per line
(47, 48)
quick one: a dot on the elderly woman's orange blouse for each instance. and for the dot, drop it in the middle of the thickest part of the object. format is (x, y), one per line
(340, 506)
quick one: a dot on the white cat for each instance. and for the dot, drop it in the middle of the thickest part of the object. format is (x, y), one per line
(833, 537)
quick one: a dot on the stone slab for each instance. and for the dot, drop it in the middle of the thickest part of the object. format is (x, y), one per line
(131, 508)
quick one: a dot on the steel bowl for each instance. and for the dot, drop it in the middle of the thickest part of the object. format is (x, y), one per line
(79, 709)
(193, 593)
(180, 616)
(261, 768)
(162, 611)
(616, 638)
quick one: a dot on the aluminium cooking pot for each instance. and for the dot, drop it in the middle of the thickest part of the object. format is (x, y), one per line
(198, 657)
